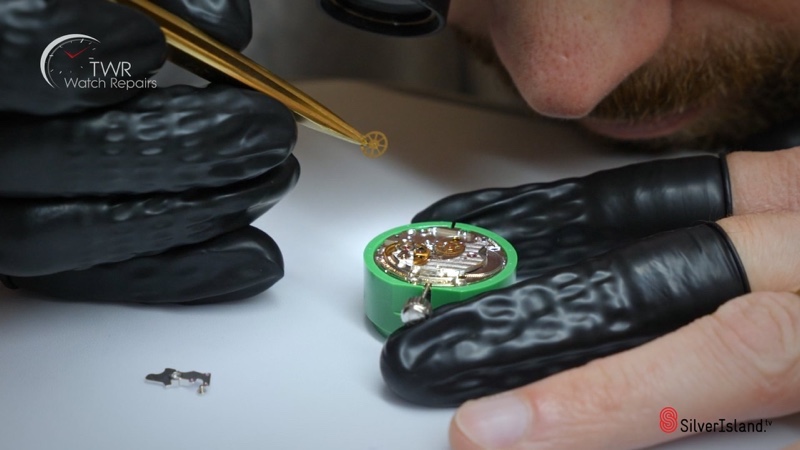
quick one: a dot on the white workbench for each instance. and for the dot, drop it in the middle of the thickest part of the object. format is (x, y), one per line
(296, 367)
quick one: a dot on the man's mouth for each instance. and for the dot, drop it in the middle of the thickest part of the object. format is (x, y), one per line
(658, 127)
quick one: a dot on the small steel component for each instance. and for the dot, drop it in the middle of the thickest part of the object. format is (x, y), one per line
(168, 376)
(417, 308)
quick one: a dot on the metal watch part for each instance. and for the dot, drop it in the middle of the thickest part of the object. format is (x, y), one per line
(441, 256)
(413, 269)
(417, 308)
(170, 376)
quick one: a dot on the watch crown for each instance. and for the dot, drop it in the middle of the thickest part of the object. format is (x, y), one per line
(417, 308)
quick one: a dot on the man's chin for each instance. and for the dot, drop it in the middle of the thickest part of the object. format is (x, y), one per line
(643, 130)
(712, 128)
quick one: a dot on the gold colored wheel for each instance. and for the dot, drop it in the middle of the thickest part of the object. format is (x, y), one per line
(450, 248)
(375, 144)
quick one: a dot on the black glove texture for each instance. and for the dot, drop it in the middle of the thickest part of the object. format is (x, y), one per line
(538, 327)
(779, 137)
(559, 223)
(135, 195)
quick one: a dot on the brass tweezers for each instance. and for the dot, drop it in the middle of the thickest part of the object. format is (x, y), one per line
(198, 52)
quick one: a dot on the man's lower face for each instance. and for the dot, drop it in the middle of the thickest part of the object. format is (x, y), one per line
(710, 94)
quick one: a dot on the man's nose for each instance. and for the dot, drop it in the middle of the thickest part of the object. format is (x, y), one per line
(566, 55)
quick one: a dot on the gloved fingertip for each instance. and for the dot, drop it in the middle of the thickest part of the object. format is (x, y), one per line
(230, 22)
(397, 364)
(432, 214)
(779, 137)
(232, 266)
(8, 282)
(421, 217)
(399, 377)
(734, 255)
(726, 185)
(241, 294)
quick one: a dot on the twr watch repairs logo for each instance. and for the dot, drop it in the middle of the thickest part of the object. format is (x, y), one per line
(73, 61)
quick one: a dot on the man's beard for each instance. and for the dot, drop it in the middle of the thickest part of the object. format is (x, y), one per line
(749, 81)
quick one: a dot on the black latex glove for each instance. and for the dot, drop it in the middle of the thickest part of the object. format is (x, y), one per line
(544, 325)
(560, 223)
(779, 137)
(124, 195)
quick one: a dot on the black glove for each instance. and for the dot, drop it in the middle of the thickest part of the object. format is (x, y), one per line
(141, 195)
(779, 137)
(541, 326)
(560, 223)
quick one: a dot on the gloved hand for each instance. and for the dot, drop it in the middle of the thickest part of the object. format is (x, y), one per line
(141, 195)
(571, 309)
(560, 223)
(544, 325)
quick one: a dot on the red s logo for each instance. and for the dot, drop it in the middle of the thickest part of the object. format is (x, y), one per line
(668, 420)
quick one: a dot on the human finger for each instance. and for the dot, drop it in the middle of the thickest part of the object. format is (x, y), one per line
(491, 343)
(793, 446)
(742, 362)
(509, 337)
(559, 223)
(764, 182)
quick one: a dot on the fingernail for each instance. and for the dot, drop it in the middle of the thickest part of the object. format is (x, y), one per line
(494, 422)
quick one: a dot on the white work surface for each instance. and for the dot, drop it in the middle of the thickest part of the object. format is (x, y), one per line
(295, 367)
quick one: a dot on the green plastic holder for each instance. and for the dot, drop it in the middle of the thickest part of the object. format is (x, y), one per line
(385, 295)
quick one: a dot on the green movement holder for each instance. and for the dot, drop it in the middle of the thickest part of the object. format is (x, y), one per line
(385, 295)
